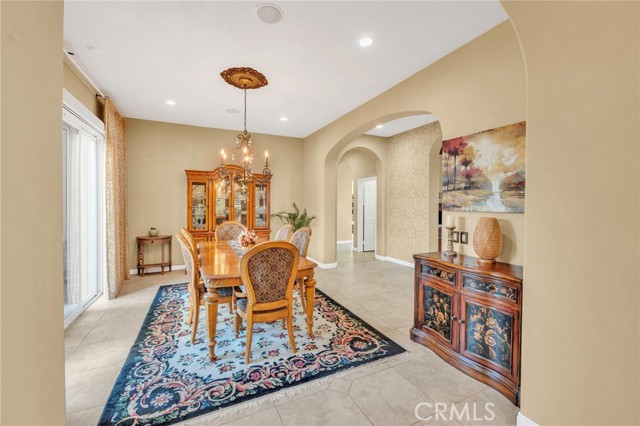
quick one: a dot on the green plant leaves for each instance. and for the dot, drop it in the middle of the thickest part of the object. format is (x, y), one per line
(295, 218)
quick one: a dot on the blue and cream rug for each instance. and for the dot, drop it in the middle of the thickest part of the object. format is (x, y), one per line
(167, 379)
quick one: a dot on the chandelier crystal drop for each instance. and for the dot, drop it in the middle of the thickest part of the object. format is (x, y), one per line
(242, 152)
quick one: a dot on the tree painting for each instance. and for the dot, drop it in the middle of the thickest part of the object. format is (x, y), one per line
(485, 172)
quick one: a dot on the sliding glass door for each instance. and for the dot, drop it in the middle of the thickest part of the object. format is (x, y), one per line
(84, 251)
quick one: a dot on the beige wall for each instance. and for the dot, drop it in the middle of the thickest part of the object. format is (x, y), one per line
(581, 309)
(479, 86)
(157, 156)
(74, 84)
(355, 164)
(343, 202)
(411, 205)
(31, 315)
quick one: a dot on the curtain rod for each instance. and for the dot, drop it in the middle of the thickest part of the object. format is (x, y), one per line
(83, 76)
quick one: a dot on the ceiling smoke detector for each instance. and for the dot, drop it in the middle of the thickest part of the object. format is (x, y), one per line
(269, 13)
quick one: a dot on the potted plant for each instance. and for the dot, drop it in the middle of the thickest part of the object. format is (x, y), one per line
(295, 218)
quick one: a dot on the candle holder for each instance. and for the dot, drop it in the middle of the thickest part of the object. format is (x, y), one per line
(450, 251)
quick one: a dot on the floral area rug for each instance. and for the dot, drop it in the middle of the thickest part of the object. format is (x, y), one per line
(167, 379)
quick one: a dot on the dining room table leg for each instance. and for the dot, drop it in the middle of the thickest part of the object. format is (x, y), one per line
(211, 298)
(310, 295)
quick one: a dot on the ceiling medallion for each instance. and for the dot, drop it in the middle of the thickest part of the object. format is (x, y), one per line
(244, 78)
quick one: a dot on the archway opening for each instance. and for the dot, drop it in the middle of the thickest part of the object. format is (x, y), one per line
(407, 171)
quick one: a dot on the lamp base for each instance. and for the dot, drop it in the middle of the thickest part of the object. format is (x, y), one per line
(450, 253)
(486, 261)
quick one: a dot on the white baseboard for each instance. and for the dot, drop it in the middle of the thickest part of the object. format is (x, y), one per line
(345, 242)
(523, 420)
(157, 269)
(324, 265)
(354, 248)
(394, 260)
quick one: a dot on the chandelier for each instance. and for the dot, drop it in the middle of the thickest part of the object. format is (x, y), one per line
(243, 78)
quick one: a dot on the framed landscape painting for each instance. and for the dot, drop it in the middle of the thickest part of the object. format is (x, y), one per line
(484, 172)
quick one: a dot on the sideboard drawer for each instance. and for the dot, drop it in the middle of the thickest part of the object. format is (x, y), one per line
(445, 275)
(491, 287)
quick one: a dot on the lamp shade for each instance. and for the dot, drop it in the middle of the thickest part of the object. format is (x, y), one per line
(487, 240)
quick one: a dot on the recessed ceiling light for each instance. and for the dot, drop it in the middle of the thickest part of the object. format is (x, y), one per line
(379, 126)
(269, 13)
(283, 118)
(170, 102)
(232, 111)
(366, 41)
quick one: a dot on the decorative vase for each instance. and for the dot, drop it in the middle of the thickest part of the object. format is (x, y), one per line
(153, 232)
(487, 240)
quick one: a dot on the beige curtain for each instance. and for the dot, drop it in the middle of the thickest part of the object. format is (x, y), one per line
(116, 190)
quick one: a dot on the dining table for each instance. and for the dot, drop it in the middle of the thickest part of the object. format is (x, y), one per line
(220, 267)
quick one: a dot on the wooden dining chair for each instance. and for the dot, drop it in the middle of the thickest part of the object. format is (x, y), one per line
(301, 239)
(284, 233)
(194, 246)
(187, 235)
(196, 286)
(229, 230)
(268, 272)
(191, 241)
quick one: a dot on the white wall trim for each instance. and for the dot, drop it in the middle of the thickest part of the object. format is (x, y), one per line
(354, 248)
(400, 262)
(324, 265)
(523, 420)
(157, 269)
(76, 108)
(394, 260)
(345, 242)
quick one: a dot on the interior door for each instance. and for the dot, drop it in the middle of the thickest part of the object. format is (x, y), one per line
(369, 215)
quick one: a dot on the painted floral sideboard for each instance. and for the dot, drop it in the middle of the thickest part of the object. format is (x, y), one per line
(470, 315)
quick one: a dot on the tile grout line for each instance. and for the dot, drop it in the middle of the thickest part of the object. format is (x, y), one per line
(85, 409)
(278, 412)
(359, 408)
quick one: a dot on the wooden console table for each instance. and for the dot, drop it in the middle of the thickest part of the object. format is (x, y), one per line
(470, 315)
(144, 241)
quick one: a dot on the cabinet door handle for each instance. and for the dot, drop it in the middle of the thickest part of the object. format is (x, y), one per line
(453, 318)
(461, 321)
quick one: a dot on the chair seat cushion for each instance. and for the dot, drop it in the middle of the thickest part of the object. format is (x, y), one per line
(224, 292)
(242, 305)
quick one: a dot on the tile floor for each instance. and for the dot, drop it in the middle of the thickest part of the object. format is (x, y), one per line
(381, 293)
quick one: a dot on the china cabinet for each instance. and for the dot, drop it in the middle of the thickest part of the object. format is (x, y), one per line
(469, 314)
(212, 200)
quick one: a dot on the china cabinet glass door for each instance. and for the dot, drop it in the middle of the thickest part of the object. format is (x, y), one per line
(223, 195)
(260, 210)
(199, 205)
(240, 204)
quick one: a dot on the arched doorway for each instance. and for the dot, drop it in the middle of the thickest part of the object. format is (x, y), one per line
(413, 191)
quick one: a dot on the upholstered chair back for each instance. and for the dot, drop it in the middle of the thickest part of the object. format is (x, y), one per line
(268, 271)
(301, 239)
(284, 233)
(227, 231)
